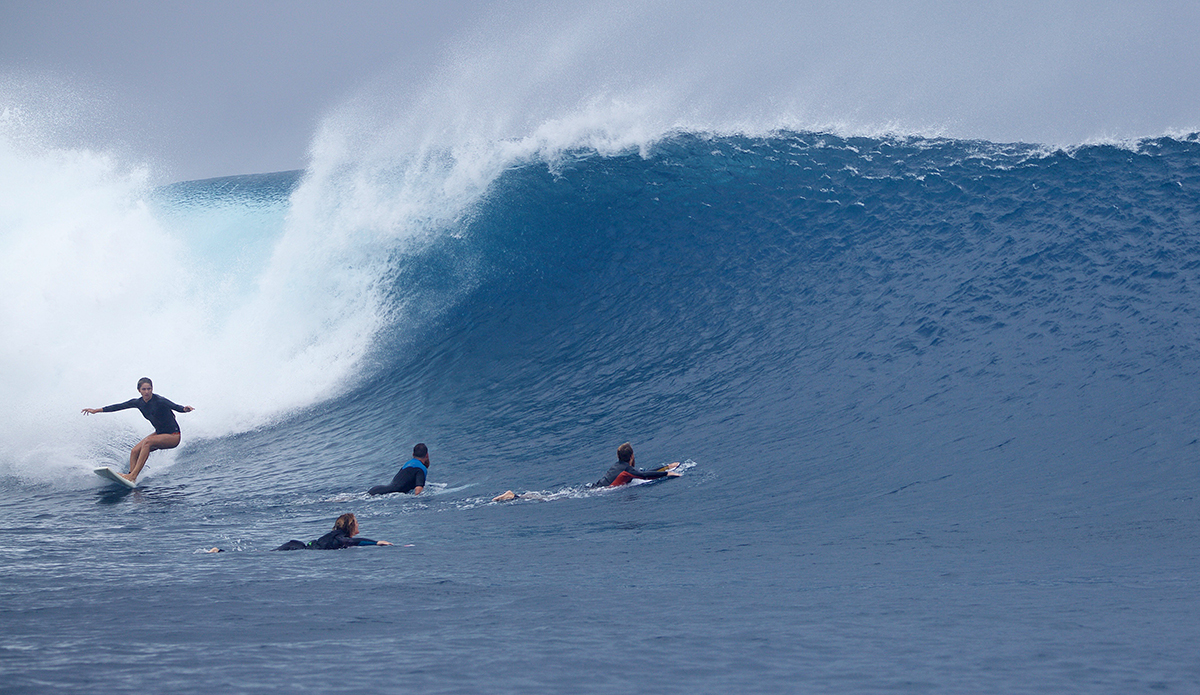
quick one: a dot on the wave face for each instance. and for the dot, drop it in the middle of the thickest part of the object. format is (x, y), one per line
(807, 303)
(937, 400)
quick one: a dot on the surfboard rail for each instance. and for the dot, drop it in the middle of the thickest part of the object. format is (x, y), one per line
(111, 475)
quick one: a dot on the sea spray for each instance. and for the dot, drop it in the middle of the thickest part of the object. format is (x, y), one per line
(244, 307)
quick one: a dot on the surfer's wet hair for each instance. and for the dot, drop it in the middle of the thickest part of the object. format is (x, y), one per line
(347, 523)
(145, 380)
(625, 453)
(420, 451)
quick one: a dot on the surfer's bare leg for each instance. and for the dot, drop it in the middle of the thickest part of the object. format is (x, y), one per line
(504, 497)
(141, 452)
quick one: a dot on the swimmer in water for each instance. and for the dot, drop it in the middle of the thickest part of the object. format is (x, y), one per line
(158, 411)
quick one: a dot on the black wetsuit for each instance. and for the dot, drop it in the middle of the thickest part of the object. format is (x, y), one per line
(622, 473)
(157, 410)
(334, 540)
(410, 477)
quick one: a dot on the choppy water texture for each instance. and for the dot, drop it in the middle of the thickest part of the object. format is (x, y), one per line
(938, 400)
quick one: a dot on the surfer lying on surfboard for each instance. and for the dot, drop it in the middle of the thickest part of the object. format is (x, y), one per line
(157, 410)
(342, 536)
(621, 473)
(411, 477)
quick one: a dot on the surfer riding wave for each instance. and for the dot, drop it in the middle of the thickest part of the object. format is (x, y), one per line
(160, 412)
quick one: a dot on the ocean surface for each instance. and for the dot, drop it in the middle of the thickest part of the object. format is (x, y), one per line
(936, 402)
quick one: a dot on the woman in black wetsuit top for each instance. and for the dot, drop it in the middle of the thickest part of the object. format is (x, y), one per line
(158, 411)
(342, 536)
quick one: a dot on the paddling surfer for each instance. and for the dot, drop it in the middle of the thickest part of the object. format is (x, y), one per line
(621, 473)
(158, 411)
(411, 477)
(345, 528)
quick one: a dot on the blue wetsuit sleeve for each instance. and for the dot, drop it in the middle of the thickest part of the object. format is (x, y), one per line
(131, 403)
(366, 541)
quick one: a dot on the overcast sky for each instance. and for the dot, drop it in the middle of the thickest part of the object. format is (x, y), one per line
(224, 87)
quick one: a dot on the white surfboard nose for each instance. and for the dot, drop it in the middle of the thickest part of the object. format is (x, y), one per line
(109, 474)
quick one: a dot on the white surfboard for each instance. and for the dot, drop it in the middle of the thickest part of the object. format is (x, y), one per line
(109, 474)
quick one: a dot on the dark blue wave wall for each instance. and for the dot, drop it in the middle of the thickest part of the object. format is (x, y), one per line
(819, 322)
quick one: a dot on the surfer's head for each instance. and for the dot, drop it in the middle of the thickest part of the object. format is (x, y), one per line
(421, 451)
(347, 523)
(625, 453)
(145, 381)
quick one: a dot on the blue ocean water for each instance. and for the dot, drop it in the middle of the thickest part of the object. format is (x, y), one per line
(936, 401)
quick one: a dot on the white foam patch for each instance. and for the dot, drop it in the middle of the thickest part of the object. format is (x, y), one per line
(98, 287)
